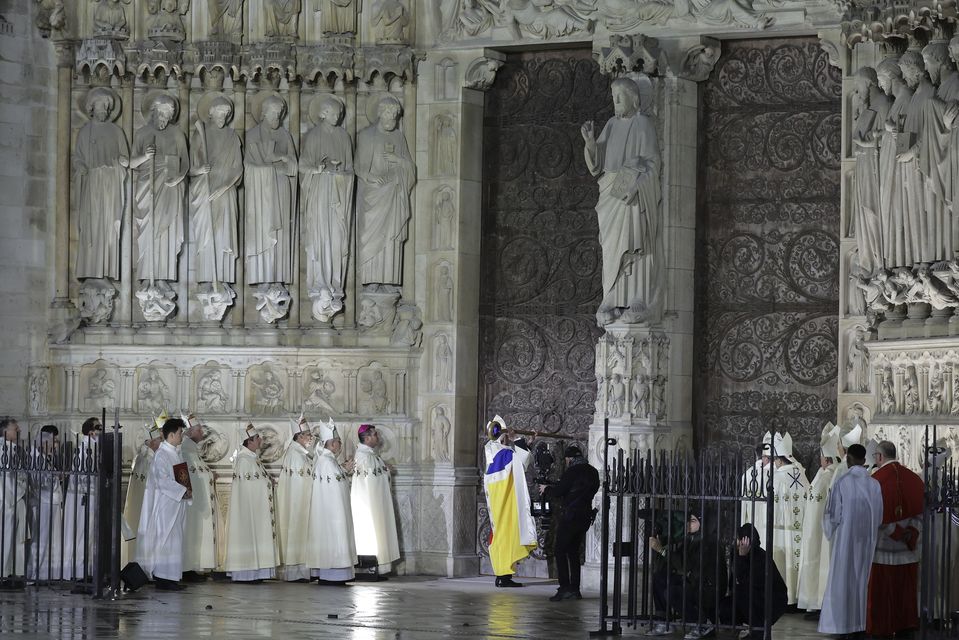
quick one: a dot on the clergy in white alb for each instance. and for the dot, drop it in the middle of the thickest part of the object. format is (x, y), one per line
(251, 553)
(47, 518)
(753, 489)
(814, 552)
(851, 524)
(142, 462)
(293, 491)
(79, 510)
(163, 516)
(202, 529)
(371, 499)
(332, 554)
(789, 506)
(13, 483)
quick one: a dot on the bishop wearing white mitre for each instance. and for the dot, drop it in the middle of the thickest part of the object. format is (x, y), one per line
(333, 554)
(201, 555)
(293, 493)
(251, 553)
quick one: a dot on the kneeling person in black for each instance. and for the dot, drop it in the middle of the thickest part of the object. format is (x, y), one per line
(576, 488)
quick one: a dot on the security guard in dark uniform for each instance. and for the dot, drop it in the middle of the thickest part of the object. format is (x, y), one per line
(576, 489)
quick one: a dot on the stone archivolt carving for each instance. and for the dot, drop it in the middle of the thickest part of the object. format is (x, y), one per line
(390, 20)
(226, 17)
(166, 22)
(110, 19)
(626, 158)
(282, 17)
(327, 179)
(337, 16)
(387, 175)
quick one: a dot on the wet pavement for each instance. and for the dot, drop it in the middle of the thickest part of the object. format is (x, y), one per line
(403, 608)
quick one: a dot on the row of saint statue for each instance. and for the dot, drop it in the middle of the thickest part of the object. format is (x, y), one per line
(315, 520)
(172, 177)
(906, 148)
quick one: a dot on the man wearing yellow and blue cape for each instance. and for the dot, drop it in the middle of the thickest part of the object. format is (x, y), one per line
(514, 531)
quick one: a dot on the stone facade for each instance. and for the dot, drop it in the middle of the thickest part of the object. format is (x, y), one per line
(399, 348)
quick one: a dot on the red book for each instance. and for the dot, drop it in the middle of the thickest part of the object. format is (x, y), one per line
(182, 475)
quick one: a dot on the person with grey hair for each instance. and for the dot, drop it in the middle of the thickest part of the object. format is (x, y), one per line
(894, 579)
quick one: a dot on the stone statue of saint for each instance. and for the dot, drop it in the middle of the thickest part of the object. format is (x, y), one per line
(326, 173)
(892, 195)
(917, 198)
(443, 213)
(160, 163)
(216, 172)
(166, 21)
(626, 158)
(442, 364)
(389, 21)
(109, 18)
(387, 175)
(337, 16)
(226, 17)
(270, 183)
(441, 435)
(857, 365)
(443, 291)
(870, 108)
(101, 159)
(281, 18)
(937, 156)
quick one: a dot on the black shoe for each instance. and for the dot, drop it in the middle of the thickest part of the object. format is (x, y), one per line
(811, 615)
(565, 594)
(168, 585)
(193, 576)
(507, 581)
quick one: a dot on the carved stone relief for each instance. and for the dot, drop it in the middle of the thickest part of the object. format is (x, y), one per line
(445, 85)
(226, 17)
(915, 382)
(390, 20)
(212, 391)
(444, 145)
(166, 19)
(768, 289)
(319, 390)
(442, 292)
(440, 432)
(100, 388)
(156, 390)
(857, 361)
(38, 389)
(444, 219)
(375, 398)
(442, 363)
(282, 18)
(267, 391)
(337, 16)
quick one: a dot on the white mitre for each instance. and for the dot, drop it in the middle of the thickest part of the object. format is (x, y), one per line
(328, 431)
(829, 441)
(852, 434)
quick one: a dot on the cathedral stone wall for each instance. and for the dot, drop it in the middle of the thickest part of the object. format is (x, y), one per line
(28, 145)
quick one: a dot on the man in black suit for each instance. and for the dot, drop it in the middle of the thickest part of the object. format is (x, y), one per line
(576, 489)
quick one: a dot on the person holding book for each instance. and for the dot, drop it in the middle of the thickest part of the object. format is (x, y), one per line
(163, 515)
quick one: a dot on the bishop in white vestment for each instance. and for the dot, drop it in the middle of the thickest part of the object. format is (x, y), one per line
(374, 522)
(136, 487)
(851, 524)
(251, 553)
(333, 553)
(814, 553)
(163, 516)
(293, 493)
(789, 505)
(201, 555)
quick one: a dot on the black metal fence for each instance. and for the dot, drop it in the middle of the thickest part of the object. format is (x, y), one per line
(687, 586)
(60, 505)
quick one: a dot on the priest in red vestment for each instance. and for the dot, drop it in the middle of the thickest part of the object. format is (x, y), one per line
(894, 580)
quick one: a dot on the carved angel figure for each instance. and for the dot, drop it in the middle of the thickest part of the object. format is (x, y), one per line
(935, 290)
(873, 291)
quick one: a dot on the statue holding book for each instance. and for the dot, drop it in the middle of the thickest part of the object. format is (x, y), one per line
(626, 158)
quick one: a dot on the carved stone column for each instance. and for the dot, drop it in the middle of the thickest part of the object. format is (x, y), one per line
(65, 61)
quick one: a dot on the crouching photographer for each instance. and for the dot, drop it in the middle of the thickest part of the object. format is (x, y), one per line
(688, 575)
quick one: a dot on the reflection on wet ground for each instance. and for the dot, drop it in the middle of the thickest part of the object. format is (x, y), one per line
(400, 609)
